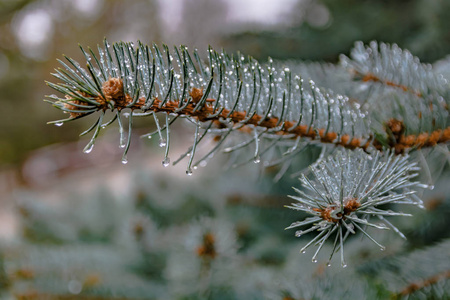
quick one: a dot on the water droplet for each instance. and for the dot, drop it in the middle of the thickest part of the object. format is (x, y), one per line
(314, 260)
(166, 162)
(75, 287)
(328, 264)
(344, 265)
(88, 148)
(59, 124)
(298, 233)
(383, 226)
(124, 160)
(303, 251)
(162, 142)
(149, 137)
(383, 248)
(189, 172)
(257, 160)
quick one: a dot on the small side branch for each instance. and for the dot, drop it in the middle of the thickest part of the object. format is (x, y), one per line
(415, 286)
(372, 77)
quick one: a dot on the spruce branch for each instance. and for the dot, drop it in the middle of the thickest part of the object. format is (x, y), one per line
(416, 286)
(347, 189)
(403, 92)
(227, 94)
(422, 273)
(394, 67)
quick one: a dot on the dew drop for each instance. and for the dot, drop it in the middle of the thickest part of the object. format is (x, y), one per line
(303, 251)
(124, 160)
(59, 124)
(383, 248)
(162, 142)
(314, 260)
(88, 148)
(257, 160)
(149, 137)
(383, 226)
(328, 264)
(344, 265)
(166, 162)
(75, 287)
(298, 233)
(189, 172)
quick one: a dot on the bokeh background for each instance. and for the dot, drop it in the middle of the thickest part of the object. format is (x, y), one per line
(55, 198)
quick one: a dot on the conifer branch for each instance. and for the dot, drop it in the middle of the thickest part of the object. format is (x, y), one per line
(416, 286)
(408, 102)
(371, 77)
(397, 68)
(423, 270)
(232, 93)
(347, 190)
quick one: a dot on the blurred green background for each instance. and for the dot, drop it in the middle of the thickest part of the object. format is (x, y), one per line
(59, 204)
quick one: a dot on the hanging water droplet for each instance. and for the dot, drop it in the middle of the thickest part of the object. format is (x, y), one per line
(328, 264)
(162, 142)
(314, 260)
(303, 251)
(189, 172)
(298, 233)
(383, 248)
(124, 160)
(59, 124)
(88, 148)
(344, 265)
(257, 159)
(149, 137)
(166, 162)
(383, 226)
